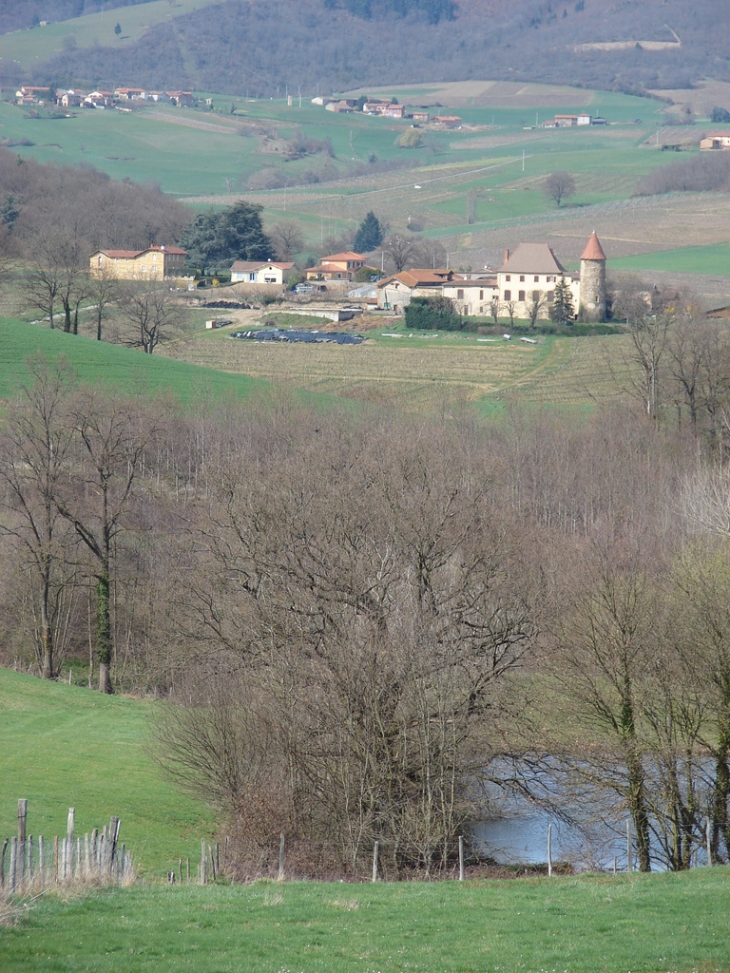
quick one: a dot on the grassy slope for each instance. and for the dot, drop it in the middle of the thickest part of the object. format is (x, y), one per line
(100, 363)
(41, 43)
(689, 260)
(63, 746)
(587, 925)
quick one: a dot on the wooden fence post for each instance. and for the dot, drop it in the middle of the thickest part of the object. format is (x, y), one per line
(22, 818)
(550, 851)
(13, 863)
(708, 841)
(2, 864)
(20, 851)
(71, 823)
(282, 849)
(461, 858)
(41, 859)
(55, 858)
(376, 851)
(29, 858)
(203, 863)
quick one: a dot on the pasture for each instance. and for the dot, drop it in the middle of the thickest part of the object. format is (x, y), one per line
(40, 43)
(211, 157)
(687, 260)
(640, 923)
(64, 746)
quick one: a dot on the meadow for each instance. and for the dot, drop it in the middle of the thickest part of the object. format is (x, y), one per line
(64, 746)
(207, 157)
(688, 260)
(40, 43)
(642, 924)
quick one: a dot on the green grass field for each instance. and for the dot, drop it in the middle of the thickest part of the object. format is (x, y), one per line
(64, 746)
(713, 260)
(643, 924)
(207, 156)
(111, 366)
(40, 43)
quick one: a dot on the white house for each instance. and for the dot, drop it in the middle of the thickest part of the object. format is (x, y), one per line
(259, 272)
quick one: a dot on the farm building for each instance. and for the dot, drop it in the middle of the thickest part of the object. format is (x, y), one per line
(718, 140)
(154, 263)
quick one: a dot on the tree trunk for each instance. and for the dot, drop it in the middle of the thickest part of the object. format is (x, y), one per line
(46, 645)
(103, 634)
(637, 809)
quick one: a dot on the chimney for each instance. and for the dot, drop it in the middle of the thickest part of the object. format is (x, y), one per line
(506, 255)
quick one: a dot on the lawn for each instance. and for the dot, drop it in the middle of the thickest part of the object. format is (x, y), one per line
(65, 746)
(642, 924)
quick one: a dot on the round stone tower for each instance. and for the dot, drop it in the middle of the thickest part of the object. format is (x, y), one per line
(592, 305)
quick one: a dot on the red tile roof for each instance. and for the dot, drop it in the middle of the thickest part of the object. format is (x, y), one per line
(593, 250)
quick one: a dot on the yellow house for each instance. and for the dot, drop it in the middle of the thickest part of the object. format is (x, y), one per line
(154, 263)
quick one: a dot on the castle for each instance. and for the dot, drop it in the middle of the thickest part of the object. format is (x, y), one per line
(526, 281)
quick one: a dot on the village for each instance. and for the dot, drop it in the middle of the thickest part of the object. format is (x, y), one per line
(524, 287)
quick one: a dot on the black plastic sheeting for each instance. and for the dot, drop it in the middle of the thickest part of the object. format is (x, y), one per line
(311, 337)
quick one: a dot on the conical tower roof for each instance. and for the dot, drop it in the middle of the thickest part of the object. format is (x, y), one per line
(593, 250)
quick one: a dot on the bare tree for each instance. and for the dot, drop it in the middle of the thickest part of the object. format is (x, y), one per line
(401, 250)
(103, 290)
(535, 306)
(287, 238)
(559, 186)
(152, 314)
(110, 437)
(33, 457)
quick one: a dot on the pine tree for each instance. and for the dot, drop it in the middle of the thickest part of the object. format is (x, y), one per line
(563, 311)
(369, 235)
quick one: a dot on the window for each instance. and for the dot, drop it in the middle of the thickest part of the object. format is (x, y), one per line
(508, 277)
(550, 296)
(537, 278)
(481, 295)
(521, 296)
(144, 269)
(536, 296)
(522, 278)
(460, 294)
(508, 295)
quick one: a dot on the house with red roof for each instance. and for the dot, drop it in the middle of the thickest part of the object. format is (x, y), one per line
(337, 266)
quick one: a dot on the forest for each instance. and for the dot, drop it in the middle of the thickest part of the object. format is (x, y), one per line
(360, 618)
(239, 48)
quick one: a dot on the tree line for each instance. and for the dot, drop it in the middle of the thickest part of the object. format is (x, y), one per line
(357, 619)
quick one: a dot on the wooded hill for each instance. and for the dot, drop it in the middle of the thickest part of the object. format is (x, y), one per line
(325, 45)
(30, 13)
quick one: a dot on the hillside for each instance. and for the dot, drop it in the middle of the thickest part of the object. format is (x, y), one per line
(323, 45)
(64, 746)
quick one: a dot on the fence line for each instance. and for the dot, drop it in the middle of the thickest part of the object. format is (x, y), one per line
(27, 864)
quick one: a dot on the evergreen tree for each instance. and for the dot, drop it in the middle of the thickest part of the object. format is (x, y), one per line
(369, 235)
(562, 311)
(214, 240)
